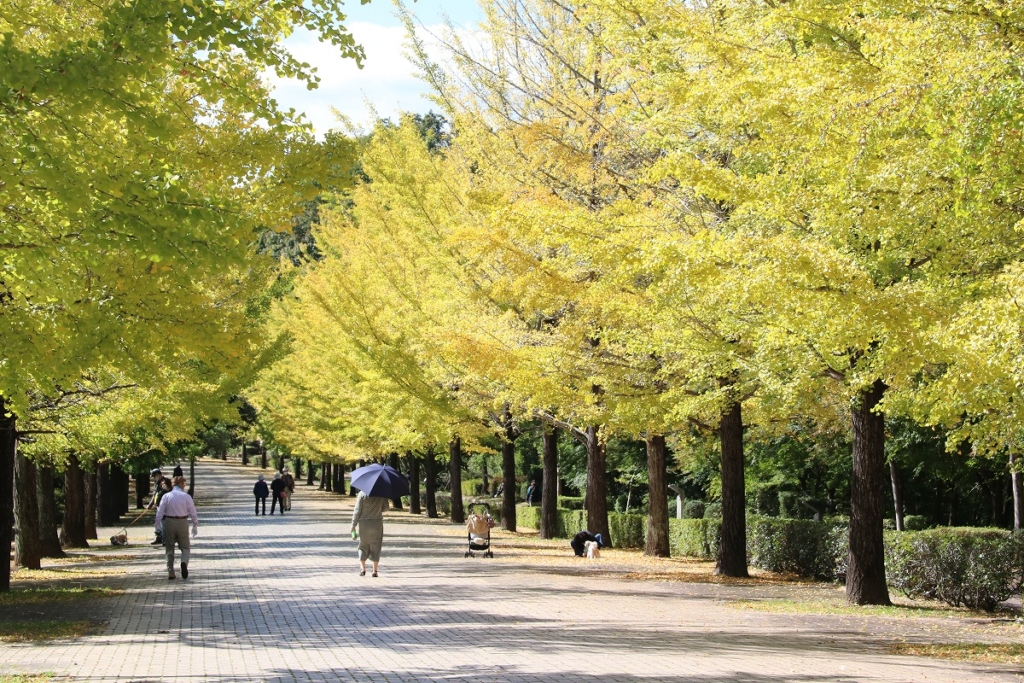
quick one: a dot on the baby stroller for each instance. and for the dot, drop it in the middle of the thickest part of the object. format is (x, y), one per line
(478, 530)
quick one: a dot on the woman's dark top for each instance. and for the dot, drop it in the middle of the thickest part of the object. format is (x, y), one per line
(260, 490)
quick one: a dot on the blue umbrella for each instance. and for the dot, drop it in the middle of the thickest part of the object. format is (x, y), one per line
(380, 480)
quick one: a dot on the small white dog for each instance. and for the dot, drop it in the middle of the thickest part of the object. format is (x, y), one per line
(593, 550)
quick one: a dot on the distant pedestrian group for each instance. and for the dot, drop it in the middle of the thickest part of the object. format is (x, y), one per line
(280, 491)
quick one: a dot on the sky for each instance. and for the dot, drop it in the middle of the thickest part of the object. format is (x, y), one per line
(387, 82)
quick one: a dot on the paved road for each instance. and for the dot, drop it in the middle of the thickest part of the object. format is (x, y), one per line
(278, 599)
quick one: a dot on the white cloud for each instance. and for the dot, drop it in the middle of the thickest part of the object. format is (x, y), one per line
(387, 78)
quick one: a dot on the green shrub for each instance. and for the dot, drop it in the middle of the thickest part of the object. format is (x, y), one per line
(527, 517)
(570, 522)
(910, 523)
(915, 522)
(443, 501)
(795, 546)
(693, 509)
(713, 510)
(837, 548)
(627, 531)
(694, 537)
(495, 510)
(472, 487)
(570, 502)
(963, 567)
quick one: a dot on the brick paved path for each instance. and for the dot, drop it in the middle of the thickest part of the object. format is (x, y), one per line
(278, 599)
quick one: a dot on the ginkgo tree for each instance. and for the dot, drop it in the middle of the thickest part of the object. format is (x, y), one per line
(868, 148)
(140, 152)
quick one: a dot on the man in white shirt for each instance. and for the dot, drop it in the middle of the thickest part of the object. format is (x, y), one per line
(175, 510)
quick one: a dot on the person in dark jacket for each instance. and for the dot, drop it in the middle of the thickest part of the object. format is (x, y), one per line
(581, 538)
(178, 472)
(261, 492)
(276, 487)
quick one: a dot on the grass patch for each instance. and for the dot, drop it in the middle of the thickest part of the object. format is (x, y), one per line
(992, 653)
(25, 678)
(46, 574)
(901, 607)
(28, 596)
(50, 629)
(79, 559)
(627, 563)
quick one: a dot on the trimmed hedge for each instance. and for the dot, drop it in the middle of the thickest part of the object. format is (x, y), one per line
(627, 531)
(527, 517)
(963, 567)
(570, 502)
(694, 537)
(794, 546)
(976, 568)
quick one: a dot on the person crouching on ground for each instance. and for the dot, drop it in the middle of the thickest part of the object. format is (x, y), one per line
(579, 542)
(261, 492)
(175, 511)
(277, 489)
(369, 517)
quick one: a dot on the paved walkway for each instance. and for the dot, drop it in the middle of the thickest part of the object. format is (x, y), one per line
(278, 599)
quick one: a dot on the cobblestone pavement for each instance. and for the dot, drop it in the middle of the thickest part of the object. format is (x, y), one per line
(279, 599)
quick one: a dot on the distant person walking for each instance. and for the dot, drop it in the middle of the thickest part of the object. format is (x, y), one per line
(531, 491)
(369, 518)
(276, 487)
(178, 472)
(261, 491)
(175, 511)
(289, 489)
(161, 485)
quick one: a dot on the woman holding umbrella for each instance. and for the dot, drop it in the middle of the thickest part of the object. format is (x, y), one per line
(377, 485)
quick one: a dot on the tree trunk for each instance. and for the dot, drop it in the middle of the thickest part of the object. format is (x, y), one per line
(596, 499)
(310, 472)
(8, 453)
(124, 482)
(414, 483)
(549, 484)
(340, 487)
(27, 552)
(141, 490)
(485, 486)
(245, 454)
(104, 495)
(49, 544)
(73, 530)
(396, 464)
(263, 456)
(279, 461)
(865, 573)
(90, 488)
(897, 494)
(430, 469)
(508, 480)
(298, 468)
(1016, 477)
(327, 479)
(657, 498)
(191, 476)
(455, 473)
(732, 553)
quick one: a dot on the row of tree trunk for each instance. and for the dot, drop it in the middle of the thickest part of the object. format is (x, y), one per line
(91, 499)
